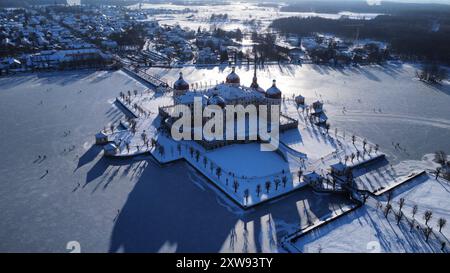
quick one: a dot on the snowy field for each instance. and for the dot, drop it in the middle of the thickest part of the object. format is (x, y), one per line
(112, 204)
(370, 232)
(238, 13)
(413, 114)
(428, 194)
(251, 161)
(306, 141)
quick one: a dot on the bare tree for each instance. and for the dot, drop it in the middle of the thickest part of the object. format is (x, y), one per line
(300, 173)
(267, 186)
(235, 185)
(441, 223)
(284, 181)
(205, 161)
(440, 157)
(399, 216)
(387, 209)
(218, 172)
(414, 211)
(401, 203)
(197, 155)
(389, 197)
(427, 216)
(246, 194)
(427, 231)
(277, 183)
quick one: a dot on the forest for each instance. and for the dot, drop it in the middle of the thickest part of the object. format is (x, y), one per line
(408, 35)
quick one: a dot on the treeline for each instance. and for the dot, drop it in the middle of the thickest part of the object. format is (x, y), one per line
(384, 7)
(407, 35)
(110, 2)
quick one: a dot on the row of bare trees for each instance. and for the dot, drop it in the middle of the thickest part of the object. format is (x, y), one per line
(399, 215)
(217, 170)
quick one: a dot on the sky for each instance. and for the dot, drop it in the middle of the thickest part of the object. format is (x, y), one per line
(369, 1)
(415, 1)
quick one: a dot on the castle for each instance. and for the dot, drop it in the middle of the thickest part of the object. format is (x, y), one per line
(228, 93)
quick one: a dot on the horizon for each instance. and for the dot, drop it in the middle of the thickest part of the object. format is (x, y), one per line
(370, 2)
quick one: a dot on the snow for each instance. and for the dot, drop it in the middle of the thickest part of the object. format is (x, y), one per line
(414, 114)
(248, 160)
(368, 224)
(238, 13)
(428, 194)
(307, 141)
(117, 205)
(135, 205)
(370, 232)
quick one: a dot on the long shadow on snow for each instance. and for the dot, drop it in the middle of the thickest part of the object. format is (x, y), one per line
(165, 209)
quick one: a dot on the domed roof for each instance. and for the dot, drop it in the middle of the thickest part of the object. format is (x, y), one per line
(260, 90)
(181, 84)
(233, 78)
(273, 92)
(216, 100)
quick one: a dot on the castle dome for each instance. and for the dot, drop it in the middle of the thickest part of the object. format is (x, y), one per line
(273, 92)
(233, 78)
(181, 84)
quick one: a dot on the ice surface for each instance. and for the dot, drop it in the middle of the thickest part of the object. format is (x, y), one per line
(414, 114)
(114, 204)
(123, 205)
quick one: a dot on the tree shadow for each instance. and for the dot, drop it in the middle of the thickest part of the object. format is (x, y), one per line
(192, 215)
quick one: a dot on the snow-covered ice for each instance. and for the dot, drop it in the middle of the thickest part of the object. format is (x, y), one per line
(134, 205)
(124, 205)
(248, 160)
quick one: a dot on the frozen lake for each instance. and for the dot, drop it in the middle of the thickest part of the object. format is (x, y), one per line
(414, 114)
(115, 205)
